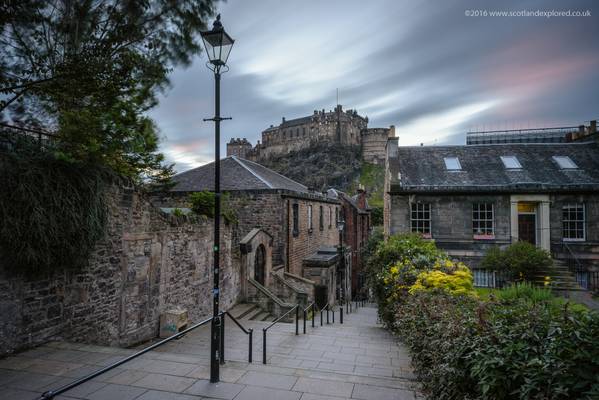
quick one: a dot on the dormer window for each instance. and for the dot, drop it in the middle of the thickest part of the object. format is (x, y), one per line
(511, 162)
(452, 164)
(565, 162)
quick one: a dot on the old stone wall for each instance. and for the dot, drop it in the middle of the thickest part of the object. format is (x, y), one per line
(148, 262)
(374, 141)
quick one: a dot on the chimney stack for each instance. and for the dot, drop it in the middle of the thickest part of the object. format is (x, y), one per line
(392, 131)
(593, 127)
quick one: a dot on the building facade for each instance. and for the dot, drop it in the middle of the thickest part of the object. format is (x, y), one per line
(345, 127)
(299, 221)
(470, 198)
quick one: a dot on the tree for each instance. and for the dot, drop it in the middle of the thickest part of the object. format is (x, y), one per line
(89, 70)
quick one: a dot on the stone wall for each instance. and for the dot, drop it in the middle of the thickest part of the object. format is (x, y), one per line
(147, 263)
(308, 240)
(374, 141)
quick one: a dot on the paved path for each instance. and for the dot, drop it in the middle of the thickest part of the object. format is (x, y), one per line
(356, 360)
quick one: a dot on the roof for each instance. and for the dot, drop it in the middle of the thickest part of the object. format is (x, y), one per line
(236, 174)
(418, 169)
(352, 200)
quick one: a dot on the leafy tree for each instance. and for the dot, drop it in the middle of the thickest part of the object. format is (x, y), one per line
(89, 70)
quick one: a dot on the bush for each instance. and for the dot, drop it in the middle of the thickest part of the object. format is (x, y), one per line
(466, 349)
(202, 203)
(522, 259)
(457, 281)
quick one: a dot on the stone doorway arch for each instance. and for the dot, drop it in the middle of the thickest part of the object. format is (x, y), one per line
(256, 251)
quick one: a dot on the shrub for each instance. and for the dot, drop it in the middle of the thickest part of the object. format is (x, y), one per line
(202, 203)
(521, 259)
(526, 292)
(456, 281)
(466, 349)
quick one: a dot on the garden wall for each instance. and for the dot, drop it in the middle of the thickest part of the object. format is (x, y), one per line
(148, 262)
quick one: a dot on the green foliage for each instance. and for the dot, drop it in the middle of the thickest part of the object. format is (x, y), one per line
(177, 212)
(202, 203)
(52, 212)
(464, 349)
(521, 259)
(377, 216)
(89, 72)
(372, 178)
(525, 291)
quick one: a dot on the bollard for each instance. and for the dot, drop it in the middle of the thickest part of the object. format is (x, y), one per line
(222, 339)
(250, 346)
(296, 320)
(341, 315)
(333, 311)
(321, 317)
(263, 346)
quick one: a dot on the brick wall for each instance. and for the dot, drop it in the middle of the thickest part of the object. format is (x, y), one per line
(307, 241)
(147, 263)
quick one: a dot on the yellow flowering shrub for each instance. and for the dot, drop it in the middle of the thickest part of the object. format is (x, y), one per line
(453, 278)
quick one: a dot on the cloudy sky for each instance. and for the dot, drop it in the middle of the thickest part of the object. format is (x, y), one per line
(423, 66)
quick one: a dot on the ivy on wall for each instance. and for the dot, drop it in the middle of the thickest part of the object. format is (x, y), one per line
(52, 211)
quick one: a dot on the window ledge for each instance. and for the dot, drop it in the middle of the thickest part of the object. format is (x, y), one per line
(484, 237)
(573, 240)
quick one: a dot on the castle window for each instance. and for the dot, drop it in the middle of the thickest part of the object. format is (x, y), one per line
(421, 218)
(295, 219)
(310, 218)
(321, 219)
(297, 132)
(303, 131)
(482, 219)
(330, 217)
(573, 222)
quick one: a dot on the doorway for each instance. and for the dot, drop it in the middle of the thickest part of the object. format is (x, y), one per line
(259, 264)
(527, 223)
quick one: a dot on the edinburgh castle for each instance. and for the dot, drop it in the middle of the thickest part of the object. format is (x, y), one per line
(344, 127)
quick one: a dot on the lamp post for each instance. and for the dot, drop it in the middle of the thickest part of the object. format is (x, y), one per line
(340, 227)
(218, 45)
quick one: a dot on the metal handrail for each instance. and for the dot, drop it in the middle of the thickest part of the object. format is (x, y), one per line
(264, 330)
(578, 263)
(311, 305)
(52, 393)
(249, 332)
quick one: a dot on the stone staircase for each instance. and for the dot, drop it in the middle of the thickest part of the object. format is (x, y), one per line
(561, 277)
(250, 311)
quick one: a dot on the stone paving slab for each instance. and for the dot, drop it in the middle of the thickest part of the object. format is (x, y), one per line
(357, 360)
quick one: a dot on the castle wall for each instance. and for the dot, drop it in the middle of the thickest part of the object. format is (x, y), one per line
(374, 141)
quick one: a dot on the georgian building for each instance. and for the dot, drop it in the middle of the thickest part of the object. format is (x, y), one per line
(469, 198)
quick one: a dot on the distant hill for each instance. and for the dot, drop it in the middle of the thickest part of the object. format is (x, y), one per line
(326, 165)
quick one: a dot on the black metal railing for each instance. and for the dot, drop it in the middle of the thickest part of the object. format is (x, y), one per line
(53, 393)
(264, 330)
(249, 332)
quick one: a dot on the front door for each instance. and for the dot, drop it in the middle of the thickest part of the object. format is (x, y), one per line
(527, 228)
(259, 264)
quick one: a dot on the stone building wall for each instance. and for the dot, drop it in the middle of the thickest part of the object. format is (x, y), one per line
(147, 263)
(307, 241)
(373, 142)
(239, 147)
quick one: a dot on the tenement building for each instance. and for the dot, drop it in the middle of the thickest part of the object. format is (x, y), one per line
(345, 127)
(280, 226)
(469, 198)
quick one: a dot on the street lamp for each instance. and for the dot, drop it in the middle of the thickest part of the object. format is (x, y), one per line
(340, 227)
(218, 45)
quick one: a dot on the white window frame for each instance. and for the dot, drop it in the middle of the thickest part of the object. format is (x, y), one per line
(310, 218)
(420, 228)
(574, 221)
(476, 208)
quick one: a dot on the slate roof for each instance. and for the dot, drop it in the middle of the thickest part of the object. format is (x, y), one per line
(236, 174)
(422, 169)
(353, 200)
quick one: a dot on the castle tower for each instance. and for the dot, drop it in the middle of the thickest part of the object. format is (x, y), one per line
(239, 147)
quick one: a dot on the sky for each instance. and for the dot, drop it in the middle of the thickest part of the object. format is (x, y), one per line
(421, 65)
